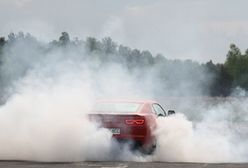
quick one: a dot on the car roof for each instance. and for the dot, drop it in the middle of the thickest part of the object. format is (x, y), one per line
(142, 101)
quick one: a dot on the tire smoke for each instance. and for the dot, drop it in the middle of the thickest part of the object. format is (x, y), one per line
(49, 97)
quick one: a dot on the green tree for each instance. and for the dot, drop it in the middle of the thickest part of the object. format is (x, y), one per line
(92, 44)
(243, 71)
(232, 60)
(237, 66)
(108, 45)
(222, 81)
(147, 58)
(2, 43)
(64, 39)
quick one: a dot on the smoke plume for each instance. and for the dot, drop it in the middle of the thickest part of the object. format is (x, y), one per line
(51, 91)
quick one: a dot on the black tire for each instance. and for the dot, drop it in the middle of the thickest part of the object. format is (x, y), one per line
(149, 150)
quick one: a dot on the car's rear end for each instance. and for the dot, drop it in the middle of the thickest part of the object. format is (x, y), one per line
(127, 121)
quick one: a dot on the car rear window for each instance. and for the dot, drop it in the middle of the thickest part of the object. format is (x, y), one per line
(116, 107)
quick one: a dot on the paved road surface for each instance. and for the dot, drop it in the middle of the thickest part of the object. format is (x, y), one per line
(15, 164)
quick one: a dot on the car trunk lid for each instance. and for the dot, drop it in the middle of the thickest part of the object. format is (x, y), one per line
(120, 124)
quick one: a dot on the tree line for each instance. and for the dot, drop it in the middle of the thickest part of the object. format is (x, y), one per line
(219, 79)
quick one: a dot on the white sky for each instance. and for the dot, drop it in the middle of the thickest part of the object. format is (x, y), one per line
(185, 29)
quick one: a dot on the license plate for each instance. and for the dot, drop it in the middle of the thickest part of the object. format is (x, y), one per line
(115, 131)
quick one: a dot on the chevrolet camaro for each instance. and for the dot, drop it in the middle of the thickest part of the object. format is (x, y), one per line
(130, 121)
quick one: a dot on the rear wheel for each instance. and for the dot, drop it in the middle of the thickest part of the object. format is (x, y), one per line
(148, 150)
(137, 146)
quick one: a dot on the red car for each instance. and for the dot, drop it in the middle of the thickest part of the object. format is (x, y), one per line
(130, 121)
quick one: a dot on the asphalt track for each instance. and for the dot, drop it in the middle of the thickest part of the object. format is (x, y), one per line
(17, 164)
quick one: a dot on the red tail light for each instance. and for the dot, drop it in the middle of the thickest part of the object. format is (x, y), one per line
(135, 122)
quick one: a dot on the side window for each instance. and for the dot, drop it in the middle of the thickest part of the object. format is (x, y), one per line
(158, 110)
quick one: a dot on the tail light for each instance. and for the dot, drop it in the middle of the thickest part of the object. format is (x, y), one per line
(135, 122)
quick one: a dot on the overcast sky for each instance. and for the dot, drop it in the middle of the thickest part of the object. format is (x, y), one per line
(184, 29)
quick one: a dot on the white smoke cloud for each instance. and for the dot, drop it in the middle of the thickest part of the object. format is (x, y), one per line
(218, 135)
(45, 117)
(181, 140)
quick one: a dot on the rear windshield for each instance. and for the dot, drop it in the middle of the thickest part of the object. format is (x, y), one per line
(116, 107)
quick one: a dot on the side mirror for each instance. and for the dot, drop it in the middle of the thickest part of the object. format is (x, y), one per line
(160, 115)
(171, 112)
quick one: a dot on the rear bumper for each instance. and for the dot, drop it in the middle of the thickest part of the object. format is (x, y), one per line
(139, 140)
(133, 144)
(137, 143)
